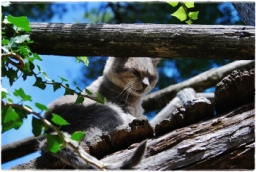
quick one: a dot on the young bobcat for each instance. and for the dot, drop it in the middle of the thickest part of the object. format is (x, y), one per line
(123, 83)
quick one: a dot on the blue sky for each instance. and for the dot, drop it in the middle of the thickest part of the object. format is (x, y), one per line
(54, 66)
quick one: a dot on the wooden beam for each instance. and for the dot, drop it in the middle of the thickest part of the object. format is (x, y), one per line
(144, 40)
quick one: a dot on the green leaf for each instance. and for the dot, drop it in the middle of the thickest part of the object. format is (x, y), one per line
(173, 4)
(22, 38)
(54, 143)
(5, 41)
(69, 91)
(189, 4)
(193, 15)
(189, 21)
(10, 119)
(56, 85)
(39, 83)
(83, 59)
(63, 79)
(45, 76)
(12, 75)
(58, 120)
(37, 126)
(21, 22)
(78, 135)
(180, 14)
(41, 106)
(20, 93)
(4, 93)
(101, 99)
(79, 99)
(88, 91)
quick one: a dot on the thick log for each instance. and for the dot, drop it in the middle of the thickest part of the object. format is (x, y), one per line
(195, 146)
(199, 82)
(144, 40)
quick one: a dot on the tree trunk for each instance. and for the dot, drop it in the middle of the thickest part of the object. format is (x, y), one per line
(246, 11)
(144, 40)
(226, 142)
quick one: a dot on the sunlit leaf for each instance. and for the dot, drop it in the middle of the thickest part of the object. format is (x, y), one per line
(180, 14)
(41, 106)
(54, 143)
(193, 15)
(20, 93)
(21, 22)
(83, 59)
(174, 4)
(10, 119)
(78, 135)
(189, 21)
(189, 4)
(63, 79)
(58, 120)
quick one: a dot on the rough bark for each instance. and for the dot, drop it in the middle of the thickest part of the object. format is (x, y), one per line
(199, 146)
(199, 83)
(203, 145)
(236, 89)
(246, 11)
(144, 40)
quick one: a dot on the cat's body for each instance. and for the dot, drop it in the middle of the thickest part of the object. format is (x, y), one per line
(124, 82)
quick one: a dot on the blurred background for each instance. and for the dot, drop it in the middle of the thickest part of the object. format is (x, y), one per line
(171, 71)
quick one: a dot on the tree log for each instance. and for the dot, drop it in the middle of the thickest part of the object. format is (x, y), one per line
(246, 11)
(200, 82)
(203, 145)
(144, 40)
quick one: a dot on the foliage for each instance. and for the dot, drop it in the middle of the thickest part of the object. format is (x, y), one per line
(183, 13)
(15, 47)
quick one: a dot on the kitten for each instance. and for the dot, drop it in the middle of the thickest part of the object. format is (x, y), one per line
(123, 83)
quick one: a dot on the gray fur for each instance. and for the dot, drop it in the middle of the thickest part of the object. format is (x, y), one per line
(124, 82)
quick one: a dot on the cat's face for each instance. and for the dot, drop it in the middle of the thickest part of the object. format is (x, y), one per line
(135, 75)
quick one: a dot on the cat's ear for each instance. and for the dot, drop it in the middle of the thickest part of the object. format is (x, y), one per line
(155, 60)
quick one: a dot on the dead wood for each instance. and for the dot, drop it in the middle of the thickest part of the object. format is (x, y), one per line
(144, 40)
(194, 146)
(236, 89)
(199, 83)
(192, 110)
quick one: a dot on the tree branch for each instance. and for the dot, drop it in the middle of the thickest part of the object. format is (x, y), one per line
(200, 82)
(144, 40)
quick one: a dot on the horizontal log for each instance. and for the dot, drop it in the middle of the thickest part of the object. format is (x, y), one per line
(144, 40)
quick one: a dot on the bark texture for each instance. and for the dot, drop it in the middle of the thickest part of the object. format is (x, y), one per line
(246, 11)
(205, 145)
(144, 40)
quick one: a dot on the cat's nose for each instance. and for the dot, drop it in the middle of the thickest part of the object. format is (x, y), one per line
(145, 83)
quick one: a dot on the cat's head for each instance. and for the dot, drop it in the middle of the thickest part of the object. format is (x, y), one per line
(134, 75)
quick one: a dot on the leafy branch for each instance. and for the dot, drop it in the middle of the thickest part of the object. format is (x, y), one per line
(62, 139)
(183, 13)
(17, 59)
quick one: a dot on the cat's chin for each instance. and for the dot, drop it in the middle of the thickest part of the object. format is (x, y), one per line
(139, 92)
